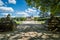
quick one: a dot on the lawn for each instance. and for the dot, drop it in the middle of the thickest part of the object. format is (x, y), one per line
(18, 22)
(40, 22)
(37, 22)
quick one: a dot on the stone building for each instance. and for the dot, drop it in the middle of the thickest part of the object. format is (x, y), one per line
(30, 18)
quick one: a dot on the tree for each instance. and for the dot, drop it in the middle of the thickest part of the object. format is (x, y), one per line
(45, 5)
(41, 14)
(8, 17)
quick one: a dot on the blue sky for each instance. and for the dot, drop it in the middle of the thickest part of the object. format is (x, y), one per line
(17, 8)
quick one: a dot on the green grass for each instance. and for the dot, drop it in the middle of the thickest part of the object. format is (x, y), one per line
(41, 22)
(18, 22)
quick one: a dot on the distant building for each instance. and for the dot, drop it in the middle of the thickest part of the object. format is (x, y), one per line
(30, 18)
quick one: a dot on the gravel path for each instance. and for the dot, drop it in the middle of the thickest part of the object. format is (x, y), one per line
(32, 22)
(30, 32)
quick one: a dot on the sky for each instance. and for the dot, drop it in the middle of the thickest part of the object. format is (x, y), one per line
(17, 8)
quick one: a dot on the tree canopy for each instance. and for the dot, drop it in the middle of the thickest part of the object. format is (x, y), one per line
(45, 5)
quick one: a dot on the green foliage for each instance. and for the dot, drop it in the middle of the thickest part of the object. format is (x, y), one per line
(2, 19)
(22, 18)
(48, 5)
(45, 5)
(8, 17)
(54, 24)
(18, 22)
(40, 19)
(37, 19)
(7, 24)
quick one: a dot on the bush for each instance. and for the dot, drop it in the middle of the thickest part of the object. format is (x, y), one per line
(54, 24)
(22, 18)
(40, 19)
(36, 18)
(7, 26)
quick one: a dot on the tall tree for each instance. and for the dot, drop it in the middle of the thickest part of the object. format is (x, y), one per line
(45, 5)
(8, 17)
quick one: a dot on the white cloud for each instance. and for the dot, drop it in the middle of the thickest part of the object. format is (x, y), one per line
(23, 14)
(5, 14)
(37, 16)
(13, 16)
(31, 10)
(1, 3)
(6, 9)
(12, 1)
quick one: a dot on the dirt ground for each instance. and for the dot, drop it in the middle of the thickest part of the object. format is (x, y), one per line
(30, 32)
